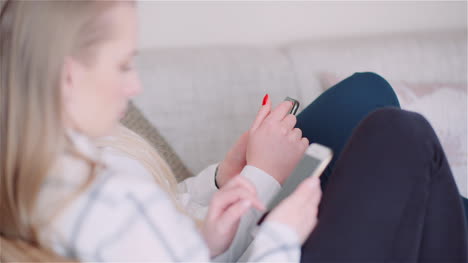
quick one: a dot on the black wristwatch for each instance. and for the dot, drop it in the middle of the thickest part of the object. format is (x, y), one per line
(216, 174)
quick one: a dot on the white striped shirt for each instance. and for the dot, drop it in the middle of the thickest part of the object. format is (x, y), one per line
(125, 216)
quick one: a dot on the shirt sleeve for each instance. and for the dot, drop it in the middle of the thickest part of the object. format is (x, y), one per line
(201, 187)
(275, 242)
(124, 218)
(267, 188)
(195, 194)
(131, 219)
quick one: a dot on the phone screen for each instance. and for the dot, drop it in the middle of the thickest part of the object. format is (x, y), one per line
(304, 169)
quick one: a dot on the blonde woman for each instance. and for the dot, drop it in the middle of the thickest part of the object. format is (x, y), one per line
(66, 79)
(78, 185)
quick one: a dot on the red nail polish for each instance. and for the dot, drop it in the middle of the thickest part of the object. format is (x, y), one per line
(265, 99)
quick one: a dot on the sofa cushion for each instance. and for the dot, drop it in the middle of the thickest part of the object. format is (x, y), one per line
(203, 99)
(135, 121)
(415, 57)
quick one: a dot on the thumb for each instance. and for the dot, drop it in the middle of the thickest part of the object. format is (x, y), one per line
(307, 188)
(262, 113)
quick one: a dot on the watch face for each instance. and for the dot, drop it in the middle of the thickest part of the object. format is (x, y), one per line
(295, 105)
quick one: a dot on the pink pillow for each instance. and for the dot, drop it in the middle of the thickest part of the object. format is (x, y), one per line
(445, 107)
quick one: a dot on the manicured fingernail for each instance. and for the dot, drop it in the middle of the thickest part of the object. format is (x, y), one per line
(265, 99)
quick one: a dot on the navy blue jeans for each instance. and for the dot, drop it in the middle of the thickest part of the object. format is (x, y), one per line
(388, 193)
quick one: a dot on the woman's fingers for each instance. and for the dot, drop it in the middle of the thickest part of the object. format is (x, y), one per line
(308, 192)
(296, 134)
(231, 217)
(261, 115)
(300, 209)
(315, 195)
(281, 111)
(227, 197)
(289, 121)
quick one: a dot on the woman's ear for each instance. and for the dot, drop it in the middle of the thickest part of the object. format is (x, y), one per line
(67, 81)
(70, 79)
(70, 83)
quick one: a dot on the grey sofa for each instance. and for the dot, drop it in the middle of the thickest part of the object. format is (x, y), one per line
(201, 99)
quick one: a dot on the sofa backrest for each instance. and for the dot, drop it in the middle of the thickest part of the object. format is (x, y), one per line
(202, 99)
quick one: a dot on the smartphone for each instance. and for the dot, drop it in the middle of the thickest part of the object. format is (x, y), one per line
(313, 163)
(295, 106)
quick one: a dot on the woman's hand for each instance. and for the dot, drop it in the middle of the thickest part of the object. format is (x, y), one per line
(300, 209)
(235, 159)
(227, 207)
(275, 146)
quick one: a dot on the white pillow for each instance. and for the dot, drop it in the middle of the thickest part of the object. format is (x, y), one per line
(446, 110)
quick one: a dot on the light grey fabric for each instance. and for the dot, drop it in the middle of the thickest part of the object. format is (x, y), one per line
(202, 99)
(414, 57)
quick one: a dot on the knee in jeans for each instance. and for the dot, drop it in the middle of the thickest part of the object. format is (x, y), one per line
(371, 77)
(375, 83)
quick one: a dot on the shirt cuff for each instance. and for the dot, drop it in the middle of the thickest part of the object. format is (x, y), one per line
(267, 186)
(202, 186)
(287, 234)
(275, 242)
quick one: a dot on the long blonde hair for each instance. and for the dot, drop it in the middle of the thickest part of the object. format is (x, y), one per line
(35, 38)
(134, 146)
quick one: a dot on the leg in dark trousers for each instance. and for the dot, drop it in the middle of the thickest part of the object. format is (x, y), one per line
(391, 197)
(331, 118)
